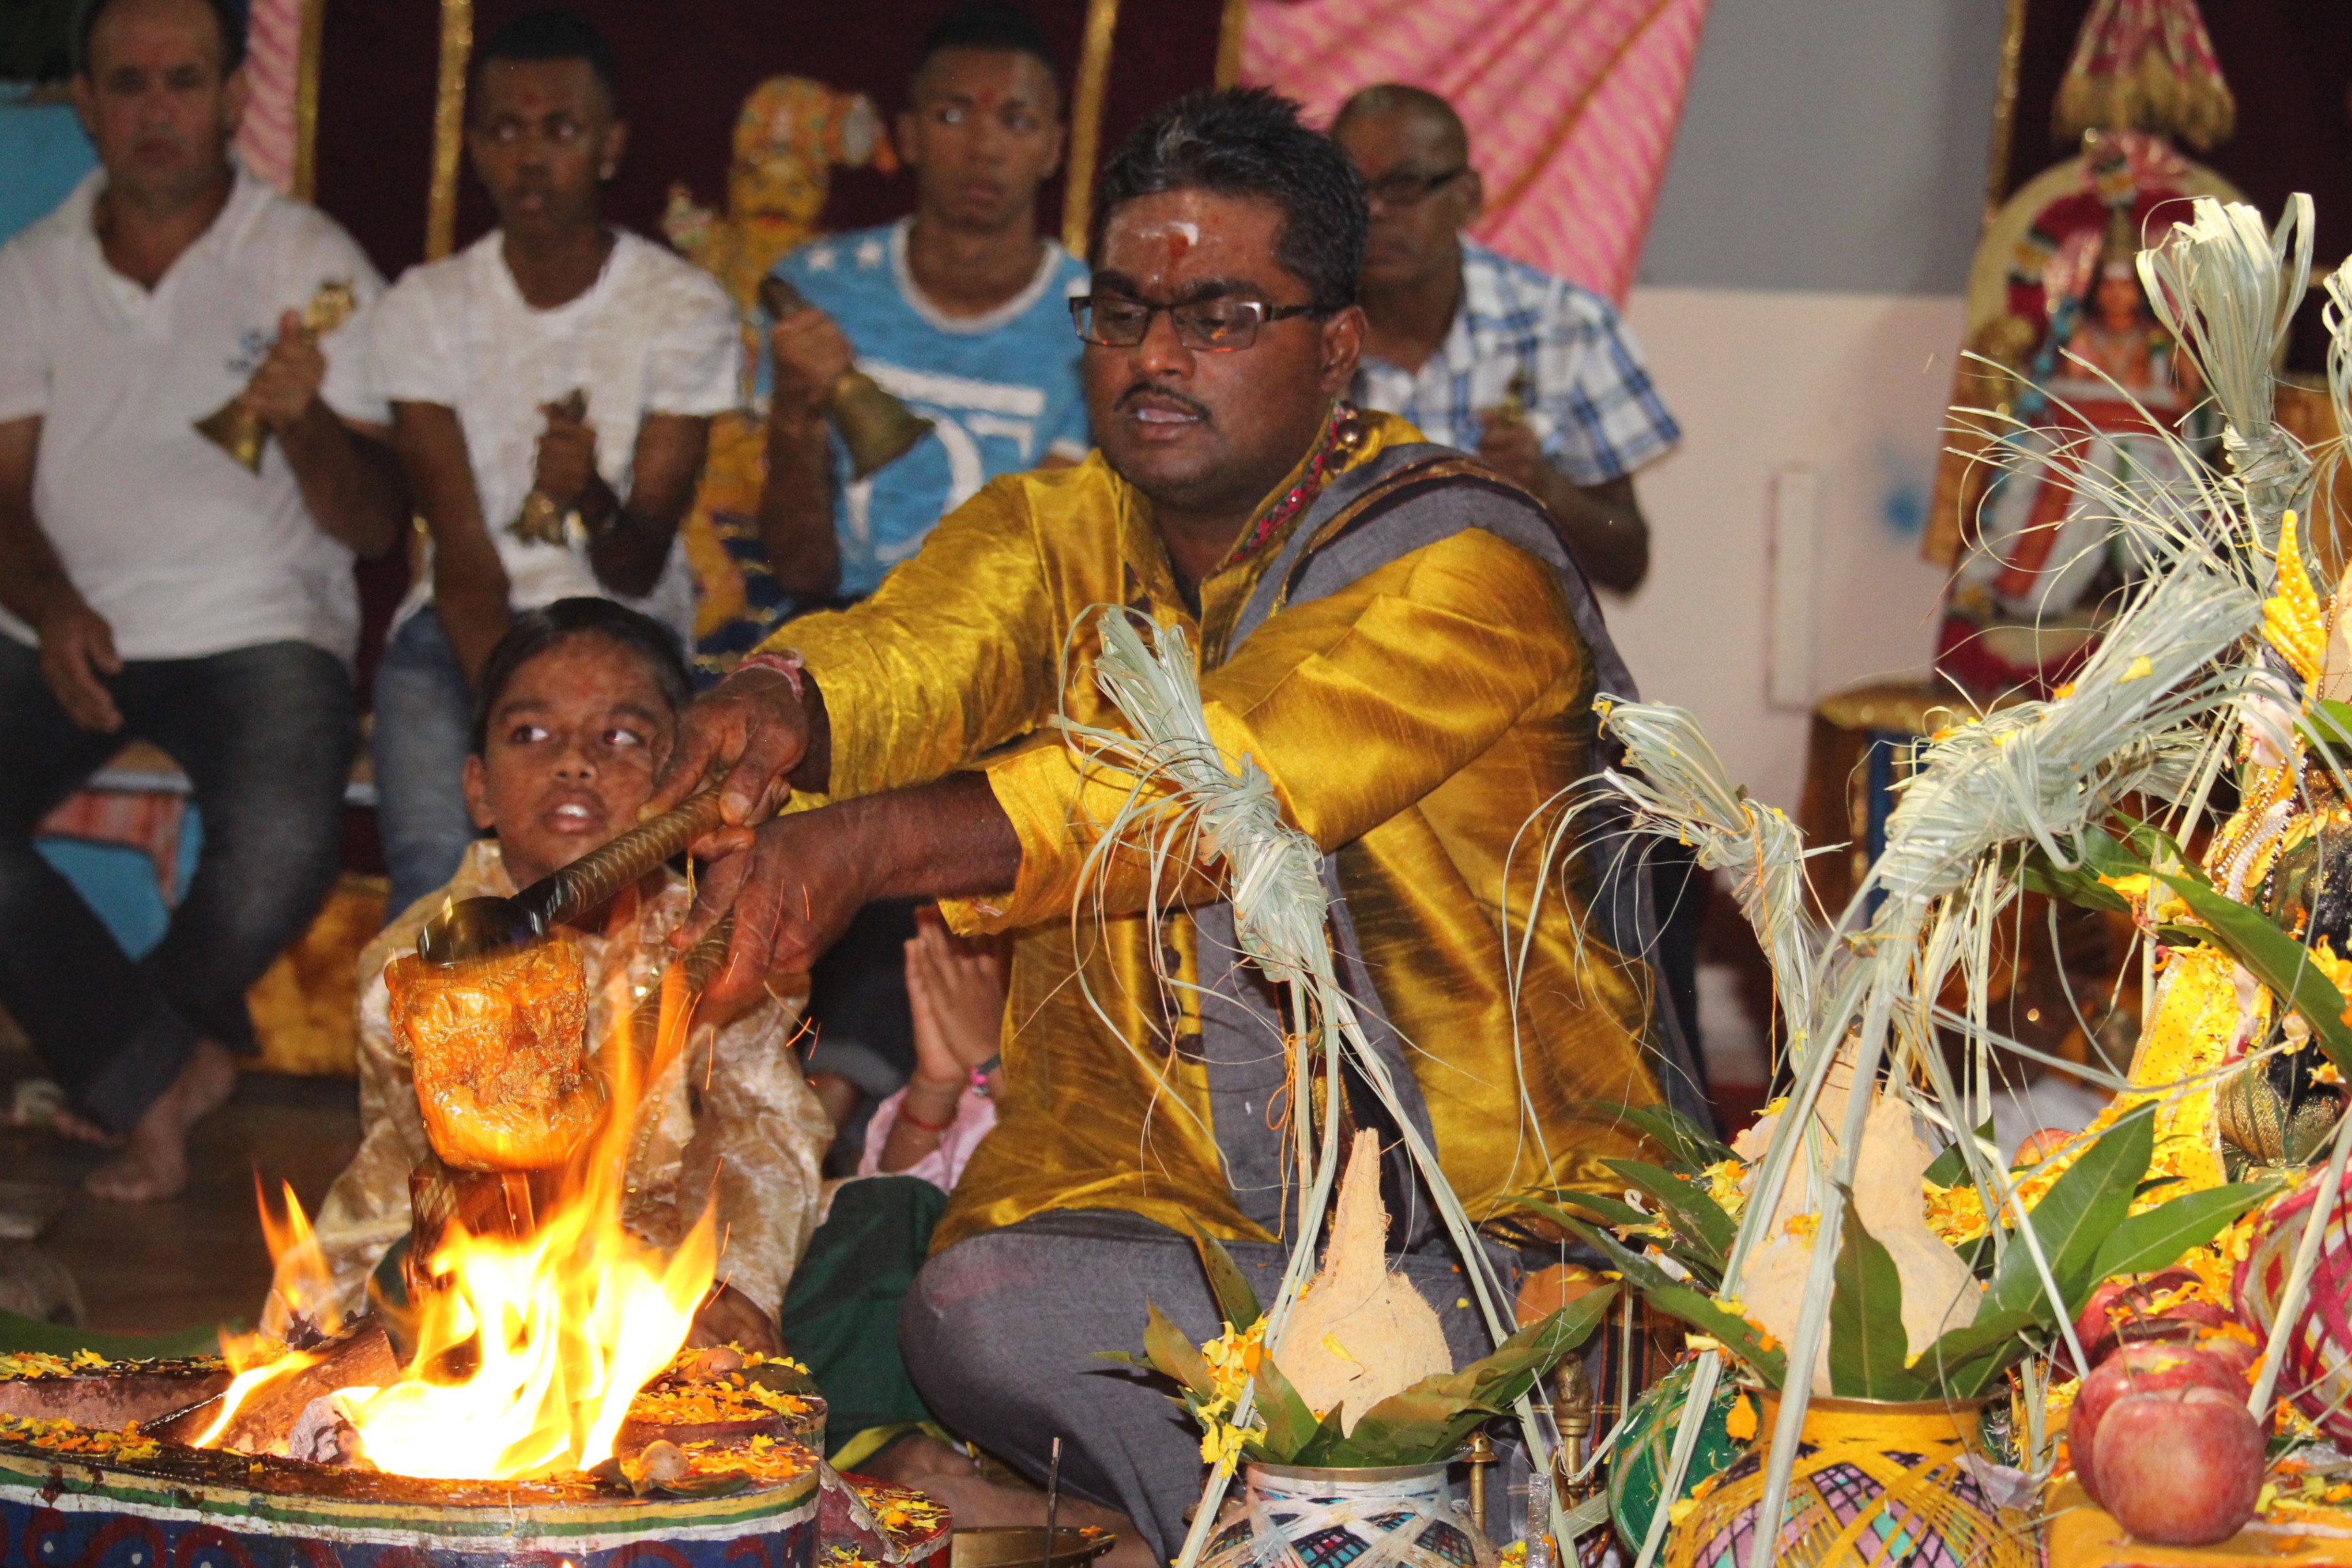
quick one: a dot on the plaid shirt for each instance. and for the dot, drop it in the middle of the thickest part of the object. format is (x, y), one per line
(1592, 405)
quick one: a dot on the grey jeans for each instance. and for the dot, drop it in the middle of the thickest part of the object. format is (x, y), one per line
(424, 730)
(1001, 1334)
(266, 735)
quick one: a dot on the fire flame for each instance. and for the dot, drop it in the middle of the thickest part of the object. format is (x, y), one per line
(527, 1353)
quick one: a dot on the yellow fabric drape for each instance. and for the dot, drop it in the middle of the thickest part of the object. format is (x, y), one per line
(1411, 723)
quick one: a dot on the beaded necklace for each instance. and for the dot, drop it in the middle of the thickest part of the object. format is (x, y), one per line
(1342, 434)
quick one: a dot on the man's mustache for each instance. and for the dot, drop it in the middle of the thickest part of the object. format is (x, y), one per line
(1196, 408)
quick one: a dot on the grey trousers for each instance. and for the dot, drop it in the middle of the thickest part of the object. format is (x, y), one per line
(999, 1335)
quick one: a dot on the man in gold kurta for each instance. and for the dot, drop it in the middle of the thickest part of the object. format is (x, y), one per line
(1413, 716)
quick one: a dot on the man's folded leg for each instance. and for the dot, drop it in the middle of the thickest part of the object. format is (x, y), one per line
(104, 1030)
(267, 736)
(1001, 1332)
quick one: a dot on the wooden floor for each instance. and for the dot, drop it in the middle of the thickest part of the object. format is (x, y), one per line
(199, 1259)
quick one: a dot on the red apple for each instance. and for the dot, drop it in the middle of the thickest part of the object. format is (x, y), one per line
(2182, 1467)
(2230, 1351)
(2118, 1312)
(2138, 1369)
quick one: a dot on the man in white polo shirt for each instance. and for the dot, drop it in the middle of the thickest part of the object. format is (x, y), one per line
(552, 386)
(153, 586)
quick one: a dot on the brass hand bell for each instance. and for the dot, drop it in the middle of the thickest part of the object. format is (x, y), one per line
(875, 427)
(233, 426)
(539, 521)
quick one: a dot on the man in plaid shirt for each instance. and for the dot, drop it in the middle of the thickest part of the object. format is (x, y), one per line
(1533, 374)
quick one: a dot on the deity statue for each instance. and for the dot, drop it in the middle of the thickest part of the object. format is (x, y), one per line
(2092, 401)
(790, 136)
(2066, 361)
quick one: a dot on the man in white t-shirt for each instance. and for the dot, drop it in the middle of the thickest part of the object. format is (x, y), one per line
(531, 494)
(152, 586)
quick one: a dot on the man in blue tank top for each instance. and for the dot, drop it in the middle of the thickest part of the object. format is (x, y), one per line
(959, 311)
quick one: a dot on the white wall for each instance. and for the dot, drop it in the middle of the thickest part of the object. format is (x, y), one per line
(1852, 387)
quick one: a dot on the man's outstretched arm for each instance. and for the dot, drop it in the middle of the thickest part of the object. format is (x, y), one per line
(796, 883)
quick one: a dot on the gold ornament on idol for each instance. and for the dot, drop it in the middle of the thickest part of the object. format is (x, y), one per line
(233, 426)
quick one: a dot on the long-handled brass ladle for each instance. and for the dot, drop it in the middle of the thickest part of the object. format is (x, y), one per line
(486, 926)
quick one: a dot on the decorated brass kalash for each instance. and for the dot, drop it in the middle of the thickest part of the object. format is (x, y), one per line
(233, 426)
(876, 427)
(534, 1401)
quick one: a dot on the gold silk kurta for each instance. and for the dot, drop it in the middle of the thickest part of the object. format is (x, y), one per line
(731, 1119)
(1412, 722)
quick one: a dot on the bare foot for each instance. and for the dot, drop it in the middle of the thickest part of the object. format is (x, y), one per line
(928, 1465)
(66, 1124)
(154, 1165)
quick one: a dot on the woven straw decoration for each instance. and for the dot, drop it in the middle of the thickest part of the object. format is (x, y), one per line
(1874, 1485)
(2316, 1366)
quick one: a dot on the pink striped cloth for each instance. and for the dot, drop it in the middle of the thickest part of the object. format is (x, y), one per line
(273, 64)
(1572, 104)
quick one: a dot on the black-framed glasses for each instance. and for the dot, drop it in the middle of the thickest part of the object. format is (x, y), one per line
(1411, 190)
(1217, 326)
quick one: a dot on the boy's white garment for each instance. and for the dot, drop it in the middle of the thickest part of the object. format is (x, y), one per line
(654, 334)
(185, 550)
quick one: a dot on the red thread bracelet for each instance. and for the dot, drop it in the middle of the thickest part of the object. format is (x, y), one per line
(934, 1128)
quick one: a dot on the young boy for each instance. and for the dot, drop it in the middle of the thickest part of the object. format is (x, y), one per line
(579, 702)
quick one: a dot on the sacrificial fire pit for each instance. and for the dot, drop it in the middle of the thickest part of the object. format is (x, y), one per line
(717, 1466)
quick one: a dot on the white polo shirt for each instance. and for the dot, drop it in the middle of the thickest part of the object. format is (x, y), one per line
(654, 334)
(182, 549)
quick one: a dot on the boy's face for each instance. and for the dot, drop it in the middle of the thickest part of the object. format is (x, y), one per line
(572, 751)
(541, 135)
(984, 131)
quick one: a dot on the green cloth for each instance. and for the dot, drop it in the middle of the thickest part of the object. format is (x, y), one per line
(841, 1311)
(20, 1334)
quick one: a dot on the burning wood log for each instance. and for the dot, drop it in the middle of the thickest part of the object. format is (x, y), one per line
(258, 1413)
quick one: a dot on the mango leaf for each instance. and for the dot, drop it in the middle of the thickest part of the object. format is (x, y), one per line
(1961, 1361)
(1688, 1143)
(2276, 959)
(1866, 1342)
(1328, 1433)
(1173, 1353)
(2327, 726)
(1289, 1424)
(1690, 1256)
(1694, 1307)
(1608, 1211)
(1236, 1300)
(1950, 1168)
(2156, 1239)
(2036, 872)
(1763, 1355)
(1696, 1217)
(1415, 1428)
(1515, 1364)
(2085, 1204)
